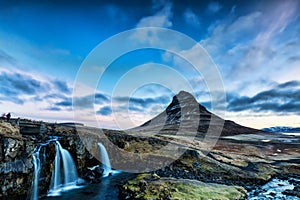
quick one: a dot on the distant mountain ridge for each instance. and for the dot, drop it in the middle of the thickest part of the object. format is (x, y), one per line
(186, 114)
(282, 129)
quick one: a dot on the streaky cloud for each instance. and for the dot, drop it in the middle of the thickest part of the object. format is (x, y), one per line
(283, 98)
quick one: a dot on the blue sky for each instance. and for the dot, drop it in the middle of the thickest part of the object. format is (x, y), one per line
(254, 44)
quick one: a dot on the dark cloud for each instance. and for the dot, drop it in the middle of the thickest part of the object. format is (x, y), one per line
(80, 102)
(144, 102)
(54, 96)
(83, 102)
(54, 109)
(283, 98)
(61, 86)
(19, 84)
(12, 86)
(294, 58)
(106, 110)
(65, 103)
(289, 84)
(15, 100)
(90, 100)
(62, 102)
(134, 108)
(101, 98)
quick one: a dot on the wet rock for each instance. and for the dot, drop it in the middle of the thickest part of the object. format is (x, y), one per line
(93, 175)
(273, 194)
(296, 191)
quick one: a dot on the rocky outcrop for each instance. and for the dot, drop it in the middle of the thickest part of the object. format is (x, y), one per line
(16, 161)
(15, 166)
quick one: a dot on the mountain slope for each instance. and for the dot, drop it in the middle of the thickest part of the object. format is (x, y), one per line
(186, 115)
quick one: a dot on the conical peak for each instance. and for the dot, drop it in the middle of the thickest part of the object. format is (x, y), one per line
(185, 99)
(184, 94)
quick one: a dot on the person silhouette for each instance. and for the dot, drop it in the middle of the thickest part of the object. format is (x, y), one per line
(8, 117)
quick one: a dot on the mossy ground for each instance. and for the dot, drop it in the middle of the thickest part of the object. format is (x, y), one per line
(190, 191)
(147, 186)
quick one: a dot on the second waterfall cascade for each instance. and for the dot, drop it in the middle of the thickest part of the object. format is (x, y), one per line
(105, 161)
(64, 174)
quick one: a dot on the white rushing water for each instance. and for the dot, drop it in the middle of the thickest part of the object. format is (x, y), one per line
(273, 190)
(292, 134)
(65, 179)
(37, 169)
(105, 160)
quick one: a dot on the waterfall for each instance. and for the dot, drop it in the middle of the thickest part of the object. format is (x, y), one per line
(105, 160)
(70, 171)
(56, 176)
(62, 179)
(37, 168)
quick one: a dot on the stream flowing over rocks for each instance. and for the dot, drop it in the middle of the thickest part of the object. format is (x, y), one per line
(277, 189)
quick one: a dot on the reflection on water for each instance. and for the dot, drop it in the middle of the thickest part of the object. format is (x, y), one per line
(106, 190)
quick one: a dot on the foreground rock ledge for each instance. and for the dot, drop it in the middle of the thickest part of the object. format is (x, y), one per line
(151, 186)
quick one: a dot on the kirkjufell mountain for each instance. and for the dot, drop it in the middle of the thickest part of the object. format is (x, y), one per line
(185, 114)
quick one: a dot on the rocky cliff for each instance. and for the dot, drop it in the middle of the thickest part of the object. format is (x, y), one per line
(16, 158)
(15, 162)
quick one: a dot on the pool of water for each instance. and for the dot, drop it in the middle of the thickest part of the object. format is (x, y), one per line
(106, 190)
